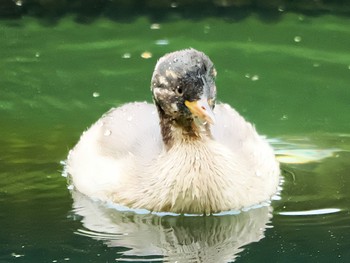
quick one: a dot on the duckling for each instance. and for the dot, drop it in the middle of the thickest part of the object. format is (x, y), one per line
(184, 154)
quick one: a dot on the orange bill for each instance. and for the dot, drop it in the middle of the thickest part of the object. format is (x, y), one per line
(201, 109)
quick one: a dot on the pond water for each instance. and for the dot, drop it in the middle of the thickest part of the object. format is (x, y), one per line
(290, 77)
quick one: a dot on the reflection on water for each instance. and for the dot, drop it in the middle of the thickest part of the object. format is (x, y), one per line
(324, 211)
(301, 150)
(142, 236)
(172, 238)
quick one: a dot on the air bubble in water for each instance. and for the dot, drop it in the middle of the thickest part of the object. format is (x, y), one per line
(173, 5)
(297, 39)
(155, 26)
(281, 9)
(206, 29)
(126, 55)
(284, 117)
(255, 78)
(18, 2)
(162, 42)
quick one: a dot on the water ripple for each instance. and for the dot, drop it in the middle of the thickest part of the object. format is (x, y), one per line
(324, 211)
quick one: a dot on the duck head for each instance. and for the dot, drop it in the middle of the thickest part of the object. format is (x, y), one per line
(184, 93)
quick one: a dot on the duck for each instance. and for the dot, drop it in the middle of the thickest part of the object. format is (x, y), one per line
(184, 153)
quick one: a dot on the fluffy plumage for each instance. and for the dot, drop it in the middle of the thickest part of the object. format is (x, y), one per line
(173, 156)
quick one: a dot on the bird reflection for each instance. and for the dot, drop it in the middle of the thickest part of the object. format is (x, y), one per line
(171, 238)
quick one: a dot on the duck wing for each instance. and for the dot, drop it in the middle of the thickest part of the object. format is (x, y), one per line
(240, 136)
(123, 138)
(130, 129)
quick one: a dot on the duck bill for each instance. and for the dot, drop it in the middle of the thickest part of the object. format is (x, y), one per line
(201, 109)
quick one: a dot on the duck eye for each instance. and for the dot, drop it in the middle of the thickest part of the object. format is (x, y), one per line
(179, 91)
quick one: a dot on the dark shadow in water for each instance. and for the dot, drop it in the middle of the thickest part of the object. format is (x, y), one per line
(171, 238)
(87, 11)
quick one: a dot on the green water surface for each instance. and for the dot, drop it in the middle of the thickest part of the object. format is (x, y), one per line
(289, 77)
